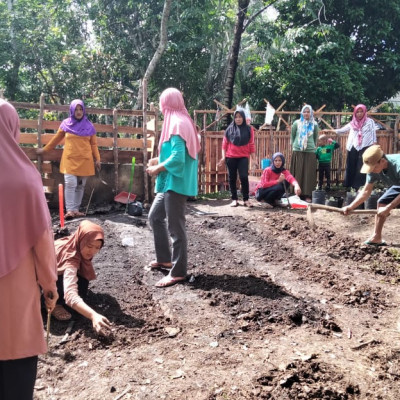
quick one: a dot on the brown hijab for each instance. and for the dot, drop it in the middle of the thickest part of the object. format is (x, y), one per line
(24, 215)
(68, 249)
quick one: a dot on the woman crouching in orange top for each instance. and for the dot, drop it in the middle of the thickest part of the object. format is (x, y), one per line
(75, 269)
(80, 150)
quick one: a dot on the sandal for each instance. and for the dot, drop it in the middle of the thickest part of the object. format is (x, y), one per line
(169, 281)
(60, 313)
(247, 203)
(69, 215)
(234, 203)
(79, 214)
(268, 206)
(156, 265)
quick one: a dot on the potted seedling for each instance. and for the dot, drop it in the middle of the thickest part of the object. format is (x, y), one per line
(372, 202)
(332, 202)
(318, 196)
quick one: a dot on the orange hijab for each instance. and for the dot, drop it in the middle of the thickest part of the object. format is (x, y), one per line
(68, 249)
(24, 215)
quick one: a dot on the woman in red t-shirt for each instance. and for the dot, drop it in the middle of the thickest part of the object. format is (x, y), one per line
(237, 147)
(273, 180)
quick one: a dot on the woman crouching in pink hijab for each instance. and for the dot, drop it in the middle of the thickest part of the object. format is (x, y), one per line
(176, 172)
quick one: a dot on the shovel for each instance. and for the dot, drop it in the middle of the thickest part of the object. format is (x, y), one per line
(127, 197)
(312, 207)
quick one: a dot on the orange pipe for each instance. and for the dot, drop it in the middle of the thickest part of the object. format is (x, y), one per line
(61, 203)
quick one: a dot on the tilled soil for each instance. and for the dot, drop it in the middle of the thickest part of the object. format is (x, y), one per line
(272, 310)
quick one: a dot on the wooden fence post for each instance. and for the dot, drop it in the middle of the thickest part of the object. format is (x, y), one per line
(144, 109)
(115, 148)
(40, 129)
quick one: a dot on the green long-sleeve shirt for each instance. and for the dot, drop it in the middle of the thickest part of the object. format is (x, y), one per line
(311, 140)
(181, 169)
(325, 153)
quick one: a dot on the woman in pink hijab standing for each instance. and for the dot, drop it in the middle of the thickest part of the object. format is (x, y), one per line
(176, 172)
(362, 134)
(27, 263)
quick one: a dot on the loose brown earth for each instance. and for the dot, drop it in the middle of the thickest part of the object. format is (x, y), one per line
(274, 310)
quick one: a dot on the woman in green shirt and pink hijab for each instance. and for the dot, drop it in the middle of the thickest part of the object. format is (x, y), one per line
(176, 172)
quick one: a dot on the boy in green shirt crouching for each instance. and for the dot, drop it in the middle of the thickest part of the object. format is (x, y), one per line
(324, 155)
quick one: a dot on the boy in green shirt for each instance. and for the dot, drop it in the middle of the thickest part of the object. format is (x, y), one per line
(324, 155)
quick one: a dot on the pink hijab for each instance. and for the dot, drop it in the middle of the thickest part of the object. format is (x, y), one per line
(177, 121)
(24, 214)
(357, 124)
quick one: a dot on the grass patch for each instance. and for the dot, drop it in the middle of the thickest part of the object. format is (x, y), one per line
(215, 196)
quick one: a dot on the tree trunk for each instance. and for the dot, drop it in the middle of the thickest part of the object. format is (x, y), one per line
(158, 53)
(234, 52)
(12, 78)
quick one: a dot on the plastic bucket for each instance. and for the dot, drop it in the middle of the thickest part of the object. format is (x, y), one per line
(265, 163)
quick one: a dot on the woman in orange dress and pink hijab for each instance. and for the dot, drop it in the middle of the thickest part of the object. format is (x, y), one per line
(176, 172)
(27, 263)
(75, 269)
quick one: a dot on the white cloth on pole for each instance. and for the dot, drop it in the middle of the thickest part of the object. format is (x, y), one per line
(269, 114)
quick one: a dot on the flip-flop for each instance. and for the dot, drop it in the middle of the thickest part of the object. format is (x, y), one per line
(60, 313)
(156, 265)
(169, 281)
(369, 243)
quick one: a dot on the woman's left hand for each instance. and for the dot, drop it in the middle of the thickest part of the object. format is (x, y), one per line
(50, 299)
(297, 190)
(98, 165)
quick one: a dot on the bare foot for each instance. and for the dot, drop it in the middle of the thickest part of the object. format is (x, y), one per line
(169, 281)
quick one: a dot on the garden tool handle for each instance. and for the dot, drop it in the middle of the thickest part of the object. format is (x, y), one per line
(132, 173)
(338, 210)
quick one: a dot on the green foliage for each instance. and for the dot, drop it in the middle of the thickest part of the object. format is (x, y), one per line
(43, 50)
(333, 54)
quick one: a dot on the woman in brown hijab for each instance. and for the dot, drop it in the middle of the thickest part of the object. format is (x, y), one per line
(75, 269)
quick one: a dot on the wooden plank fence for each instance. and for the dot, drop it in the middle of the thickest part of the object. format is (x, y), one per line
(117, 141)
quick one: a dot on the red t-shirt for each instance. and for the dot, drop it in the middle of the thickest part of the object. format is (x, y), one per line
(232, 151)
